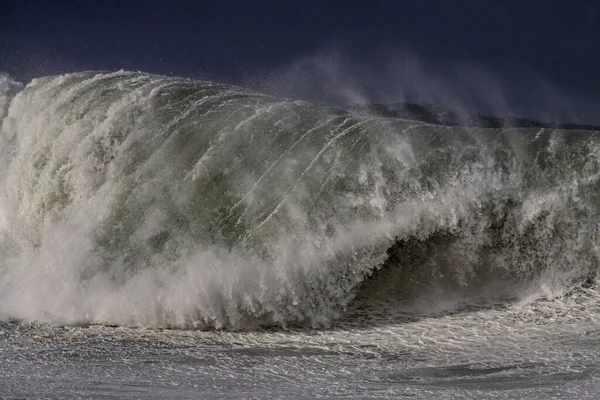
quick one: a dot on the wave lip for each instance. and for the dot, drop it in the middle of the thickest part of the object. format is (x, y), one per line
(138, 199)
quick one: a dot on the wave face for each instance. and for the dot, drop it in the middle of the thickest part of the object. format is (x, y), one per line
(134, 199)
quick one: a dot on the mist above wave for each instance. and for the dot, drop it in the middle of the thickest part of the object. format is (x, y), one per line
(441, 116)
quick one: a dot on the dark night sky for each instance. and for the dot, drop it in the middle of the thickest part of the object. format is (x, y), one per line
(531, 50)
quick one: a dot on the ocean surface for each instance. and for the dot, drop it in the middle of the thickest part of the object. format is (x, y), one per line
(168, 238)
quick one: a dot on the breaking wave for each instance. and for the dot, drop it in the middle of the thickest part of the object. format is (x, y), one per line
(135, 199)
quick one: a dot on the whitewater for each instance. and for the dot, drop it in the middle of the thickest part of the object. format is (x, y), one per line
(163, 237)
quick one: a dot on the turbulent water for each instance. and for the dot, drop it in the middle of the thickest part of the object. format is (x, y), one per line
(400, 257)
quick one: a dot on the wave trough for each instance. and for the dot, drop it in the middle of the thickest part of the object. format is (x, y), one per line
(136, 199)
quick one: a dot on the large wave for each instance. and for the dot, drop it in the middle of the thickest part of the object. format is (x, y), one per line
(128, 198)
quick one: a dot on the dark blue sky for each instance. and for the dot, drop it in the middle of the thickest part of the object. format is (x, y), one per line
(502, 43)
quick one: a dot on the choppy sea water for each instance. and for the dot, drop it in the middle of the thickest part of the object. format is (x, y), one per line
(547, 349)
